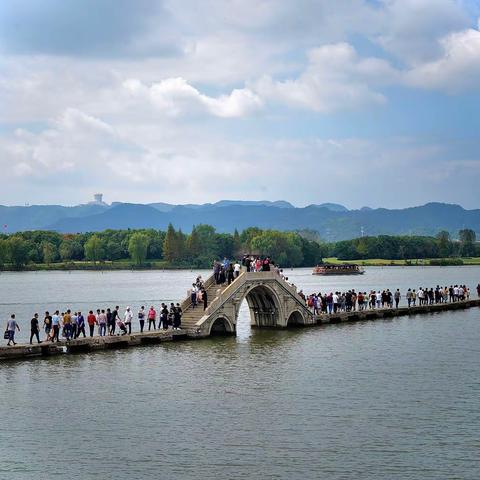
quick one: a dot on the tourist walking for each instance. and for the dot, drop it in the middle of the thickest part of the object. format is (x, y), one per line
(177, 317)
(47, 325)
(102, 323)
(397, 296)
(67, 325)
(110, 322)
(56, 326)
(141, 318)
(128, 319)
(193, 295)
(34, 328)
(75, 325)
(205, 299)
(163, 317)
(12, 325)
(80, 325)
(115, 317)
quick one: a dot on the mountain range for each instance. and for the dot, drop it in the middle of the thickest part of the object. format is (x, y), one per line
(332, 221)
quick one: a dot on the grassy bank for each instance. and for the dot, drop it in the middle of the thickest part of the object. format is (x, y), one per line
(103, 266)
(382, 262)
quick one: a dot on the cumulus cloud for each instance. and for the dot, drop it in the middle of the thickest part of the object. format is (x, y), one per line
(175, 96)
(410, 29)
(456, 70)
(336, 78)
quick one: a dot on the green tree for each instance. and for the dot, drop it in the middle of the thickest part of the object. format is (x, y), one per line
(138, 247)
(170, 247)
(3, 252)
(17, 250)
(444, 243)
(467, 239)
(194, 247)
(94, 249)
(49, 252)
(71, 249)
(237, 244)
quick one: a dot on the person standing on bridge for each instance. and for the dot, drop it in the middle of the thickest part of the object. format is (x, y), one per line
(163, 322)
(397, 296)
(80, 325)
(152, 318)
(47, 325)
(56, 326)
(115, 316)
(230, 273)
(128, 319)
(205, 299)
(91, 320)
(12, 325)
(237, 268)
(34, 328)
(193, 295)
(141, 318)
(177, 317)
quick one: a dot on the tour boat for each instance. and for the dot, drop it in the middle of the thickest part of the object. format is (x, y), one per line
(341, 269)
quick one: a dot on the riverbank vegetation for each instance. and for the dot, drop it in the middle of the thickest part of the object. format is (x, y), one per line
(124, 249)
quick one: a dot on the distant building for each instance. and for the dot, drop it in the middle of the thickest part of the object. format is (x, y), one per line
(97, 199)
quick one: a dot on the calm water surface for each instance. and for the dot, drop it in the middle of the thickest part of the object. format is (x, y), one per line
(393, 399)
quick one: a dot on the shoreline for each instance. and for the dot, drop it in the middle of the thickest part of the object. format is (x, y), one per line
(121, 266)
(97, 343)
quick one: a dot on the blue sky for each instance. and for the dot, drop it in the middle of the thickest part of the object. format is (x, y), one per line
(357, 102)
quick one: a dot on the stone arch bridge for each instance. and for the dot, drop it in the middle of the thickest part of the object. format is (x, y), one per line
(273, 303)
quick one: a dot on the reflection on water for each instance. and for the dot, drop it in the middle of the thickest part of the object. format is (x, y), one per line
(390, 399)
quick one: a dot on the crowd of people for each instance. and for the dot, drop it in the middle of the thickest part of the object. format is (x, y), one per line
(107, 322)
(351, 300)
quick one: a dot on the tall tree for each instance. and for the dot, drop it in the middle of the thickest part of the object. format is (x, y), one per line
(237, 244)
(444, 244)
(94, 249)
(3, 252)
(467, 239)
(49, 252)
(170, 247)
(138, 247)
(18, 250)
(194, 247)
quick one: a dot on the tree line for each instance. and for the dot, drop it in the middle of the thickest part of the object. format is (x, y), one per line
(141, 247)
(407, 247)
(204, 244)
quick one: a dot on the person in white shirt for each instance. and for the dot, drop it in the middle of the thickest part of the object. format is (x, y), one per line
(236, 269)
(128, 319)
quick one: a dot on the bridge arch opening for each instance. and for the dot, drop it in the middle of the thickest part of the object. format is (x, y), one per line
(295, 319)
(264, 306)
(221, 327)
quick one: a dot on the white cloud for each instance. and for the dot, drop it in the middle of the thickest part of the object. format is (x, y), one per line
(410, 29)
(457, 69)
(175, 96)
(336, 78)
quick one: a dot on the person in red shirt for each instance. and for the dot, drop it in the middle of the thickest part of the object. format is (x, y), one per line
(92, 321)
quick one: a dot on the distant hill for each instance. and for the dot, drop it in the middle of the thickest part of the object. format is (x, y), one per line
(331, 223)
(334, 207)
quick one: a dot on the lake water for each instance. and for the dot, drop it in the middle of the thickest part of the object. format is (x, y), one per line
(390, 399)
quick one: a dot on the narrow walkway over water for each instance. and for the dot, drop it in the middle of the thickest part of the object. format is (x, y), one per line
(273, 303)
